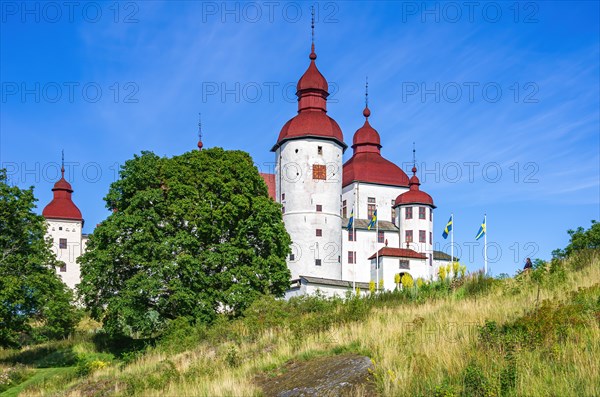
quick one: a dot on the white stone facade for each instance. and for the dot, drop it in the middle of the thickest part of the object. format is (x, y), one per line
(311, 207)
(68, 244)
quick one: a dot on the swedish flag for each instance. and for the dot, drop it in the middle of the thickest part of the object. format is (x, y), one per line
(448, 228)
(351, 220)
(481, 231)
(373, 220)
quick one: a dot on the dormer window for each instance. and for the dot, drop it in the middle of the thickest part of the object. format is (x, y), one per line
(320, 150)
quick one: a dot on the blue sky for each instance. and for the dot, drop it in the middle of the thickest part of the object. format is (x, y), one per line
(501, 99)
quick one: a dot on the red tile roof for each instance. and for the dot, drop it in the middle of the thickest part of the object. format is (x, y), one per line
(62, 206)
(270, 181)
(367, 164)
(399, 253)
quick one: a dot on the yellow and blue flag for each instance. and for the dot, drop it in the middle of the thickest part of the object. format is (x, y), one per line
(373, 220)
(481, 231)
(351, 220)
(448, 228)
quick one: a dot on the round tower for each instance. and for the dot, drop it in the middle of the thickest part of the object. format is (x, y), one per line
(308, 180)
(414, 215)
(65, 225)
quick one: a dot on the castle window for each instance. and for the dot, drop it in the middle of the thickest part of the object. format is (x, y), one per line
(393, 214)
(319, 208)
(430, 238)
(351, 257)
(283, 210)
(320, 150)
(408, 212)
(62, 243)
(344, 213)
(282, 196)
(370, 207)
(319, 172)
(408, 236)
(351, 236)
(430, 260)
(60, 228)
(319, 232)
(63, 267)
(421, 212)
(422, 236)
(431, 214)
(292, 257)
(317, 262)
(380, 236)
(404, 264)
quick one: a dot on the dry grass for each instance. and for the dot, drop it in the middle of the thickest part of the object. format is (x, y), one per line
(414, 348)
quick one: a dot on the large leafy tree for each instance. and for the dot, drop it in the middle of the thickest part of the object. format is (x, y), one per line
(580, 239)
(34, 302)
(188, 236)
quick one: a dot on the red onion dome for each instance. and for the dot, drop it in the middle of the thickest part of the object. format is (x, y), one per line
(62, 206)
(311, 120)
(367, 164)
(414, 195)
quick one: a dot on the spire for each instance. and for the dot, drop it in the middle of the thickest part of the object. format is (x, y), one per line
(200, 145)
(312, 55)
(414, 182)
(367, 111)
(312, 87)
(62, 166)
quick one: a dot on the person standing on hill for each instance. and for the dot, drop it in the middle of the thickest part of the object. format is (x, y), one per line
(528, 264)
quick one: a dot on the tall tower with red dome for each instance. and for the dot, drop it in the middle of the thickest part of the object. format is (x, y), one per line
(308, 180)
(370, 183)
(65, 225)
(414, 215)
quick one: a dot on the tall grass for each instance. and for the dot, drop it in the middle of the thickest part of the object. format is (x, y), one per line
(428, 341)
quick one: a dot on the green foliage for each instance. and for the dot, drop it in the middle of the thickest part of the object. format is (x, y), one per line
(580, 239)
(476, 384)
(12, 376)
(90, 362)
(478, 283)
(30, 290)
(190, 236)
(232, 357)
(549, 324)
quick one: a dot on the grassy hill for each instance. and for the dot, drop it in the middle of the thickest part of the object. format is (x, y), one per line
(536, 334)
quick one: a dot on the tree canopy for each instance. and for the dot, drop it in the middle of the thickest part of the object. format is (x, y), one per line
(188, 236)
(34, 302)
(581, 239)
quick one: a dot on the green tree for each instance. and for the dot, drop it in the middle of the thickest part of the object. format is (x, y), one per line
(188, 236)
(580, 239)
(34, 302)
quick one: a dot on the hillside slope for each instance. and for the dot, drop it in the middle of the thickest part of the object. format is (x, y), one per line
(536, 335)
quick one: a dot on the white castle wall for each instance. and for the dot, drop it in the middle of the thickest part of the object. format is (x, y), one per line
(71, 231)
(384, 196)
(390, 266)
(415, 224)
(294, 180)
(365, 246)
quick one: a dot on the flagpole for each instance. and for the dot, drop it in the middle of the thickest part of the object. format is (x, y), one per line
(377, 247)
(354, 246)
(485, 258)
(452, 242)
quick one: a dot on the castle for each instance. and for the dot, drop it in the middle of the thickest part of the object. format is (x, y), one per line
(320, 197)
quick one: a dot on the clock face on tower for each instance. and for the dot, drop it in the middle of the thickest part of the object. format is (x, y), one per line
(319, 171)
